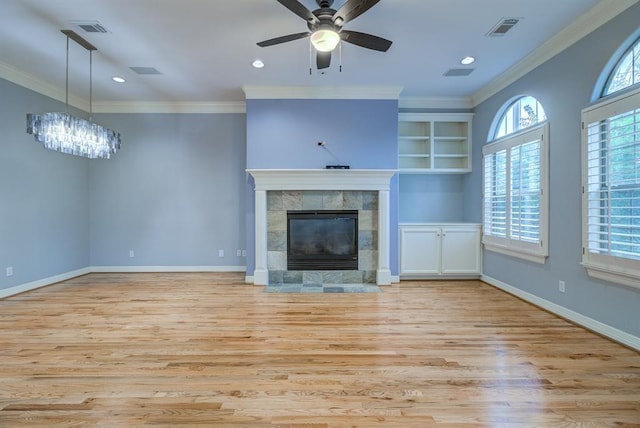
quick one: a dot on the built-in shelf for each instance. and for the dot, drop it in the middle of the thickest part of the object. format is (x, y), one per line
(434, 143)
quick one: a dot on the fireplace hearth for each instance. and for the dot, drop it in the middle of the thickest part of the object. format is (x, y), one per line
(322, 240)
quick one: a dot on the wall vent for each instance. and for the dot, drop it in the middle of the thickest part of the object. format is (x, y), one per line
(458, 72)
(502, 27)
(145, 70)
(90, 26)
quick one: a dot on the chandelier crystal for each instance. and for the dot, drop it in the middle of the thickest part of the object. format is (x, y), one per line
(69, 134)
(72, 135)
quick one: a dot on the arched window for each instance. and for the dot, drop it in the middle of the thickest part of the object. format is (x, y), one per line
(611, 175)
(523, 113)
(515, 177)
(626, 73)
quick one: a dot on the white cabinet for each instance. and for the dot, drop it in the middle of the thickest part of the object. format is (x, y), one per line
(434, 143)
(433, 250)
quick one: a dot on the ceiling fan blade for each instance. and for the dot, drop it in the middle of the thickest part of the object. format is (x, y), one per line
(364, 40)
(323, 60)
(352, 9)
(283, 39)
(299, 9)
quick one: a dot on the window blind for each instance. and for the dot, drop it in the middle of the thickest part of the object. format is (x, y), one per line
(613, 185)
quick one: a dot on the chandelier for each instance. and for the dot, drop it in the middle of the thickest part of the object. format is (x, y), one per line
(69, 134)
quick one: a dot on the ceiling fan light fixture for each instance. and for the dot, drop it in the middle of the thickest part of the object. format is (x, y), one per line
(325, 40)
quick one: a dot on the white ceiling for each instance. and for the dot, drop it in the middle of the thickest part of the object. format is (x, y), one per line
(204, 48)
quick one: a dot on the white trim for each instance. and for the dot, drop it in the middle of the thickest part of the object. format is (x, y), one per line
(322, 179)
(323, 92)
(28, 81)
(12, 291)
(589, 323)
(169, 107)
(612, 275)
(395, 279)
(435, 102)
(599, 15)
(515, 252)
(248, 279)
(144, 269)
(606, 267)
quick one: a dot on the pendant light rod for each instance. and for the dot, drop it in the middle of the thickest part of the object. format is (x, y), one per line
(90, 84)
(66, 81)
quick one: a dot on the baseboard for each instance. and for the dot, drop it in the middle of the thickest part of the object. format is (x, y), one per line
(575, 317)
(143, 269)
(395, 279)
(12, 291)
(248, 279)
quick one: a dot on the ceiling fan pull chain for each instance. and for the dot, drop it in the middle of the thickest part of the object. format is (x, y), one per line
(340, 54)
(310, 59)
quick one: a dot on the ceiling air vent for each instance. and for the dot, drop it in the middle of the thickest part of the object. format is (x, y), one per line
(458, 72)
(502, 27)
(90, 26)
(145, 70)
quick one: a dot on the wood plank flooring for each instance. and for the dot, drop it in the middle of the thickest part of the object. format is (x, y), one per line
(123, 350)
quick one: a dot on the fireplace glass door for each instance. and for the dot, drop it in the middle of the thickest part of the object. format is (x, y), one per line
(322, 240)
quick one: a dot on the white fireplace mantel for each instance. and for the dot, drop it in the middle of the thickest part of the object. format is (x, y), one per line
(321, 179)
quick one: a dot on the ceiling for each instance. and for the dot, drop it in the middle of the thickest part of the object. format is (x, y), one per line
(204, 48)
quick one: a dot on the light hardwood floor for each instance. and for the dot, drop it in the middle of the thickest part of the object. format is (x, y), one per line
(122, 350)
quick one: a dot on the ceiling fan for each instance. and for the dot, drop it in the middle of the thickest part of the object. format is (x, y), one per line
(325, 28)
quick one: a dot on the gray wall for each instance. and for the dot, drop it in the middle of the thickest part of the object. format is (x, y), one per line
(44, 196)
(174, 194)
(564, 86)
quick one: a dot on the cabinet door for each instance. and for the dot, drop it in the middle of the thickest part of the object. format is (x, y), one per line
(419, 250)
(460, 251)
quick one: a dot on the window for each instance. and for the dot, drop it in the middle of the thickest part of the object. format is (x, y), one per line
(626, 72)
(515, 181)
(611, 189)
(521, 114)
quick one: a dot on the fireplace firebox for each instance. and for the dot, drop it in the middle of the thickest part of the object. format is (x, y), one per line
(322, 240)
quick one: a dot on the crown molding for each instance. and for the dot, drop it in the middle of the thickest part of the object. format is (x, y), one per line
(28, 81)
(169, 107)
(599, 15)
(435, 103)
(323, 92)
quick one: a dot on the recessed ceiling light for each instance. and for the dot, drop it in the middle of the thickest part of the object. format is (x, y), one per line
(467, 60)
(257, 64)
(118, 79)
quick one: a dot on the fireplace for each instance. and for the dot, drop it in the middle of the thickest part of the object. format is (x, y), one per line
(270, 227)
(322, 240)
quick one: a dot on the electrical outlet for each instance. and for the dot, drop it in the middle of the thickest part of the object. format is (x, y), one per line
(238, 253)
(10, 271)
(131, 254)
(220, 253)
(244, 253)
(561, 286)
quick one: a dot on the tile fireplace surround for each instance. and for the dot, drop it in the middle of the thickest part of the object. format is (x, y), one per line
(308, 181)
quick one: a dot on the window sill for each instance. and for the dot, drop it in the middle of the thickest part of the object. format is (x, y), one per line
(611, 275)
(519, 254)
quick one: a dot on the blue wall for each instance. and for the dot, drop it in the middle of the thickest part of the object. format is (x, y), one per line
(564, 86)
(283, 134)
(173, 194)
(432, 198)
(44, 221)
